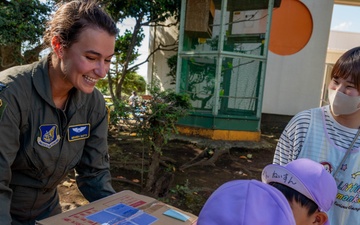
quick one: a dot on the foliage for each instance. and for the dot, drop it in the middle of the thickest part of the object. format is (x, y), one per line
(161, 116)
(132, 82)
(122, 45)
(154, 121)
(187, 197)
(22, 20)
(163, 111)
(172, 63)
(22, 23)
(118, 111)
(151, 11)
(144, 13)
(103, 86)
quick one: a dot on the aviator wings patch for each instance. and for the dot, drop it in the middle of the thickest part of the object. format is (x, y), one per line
(78, 132)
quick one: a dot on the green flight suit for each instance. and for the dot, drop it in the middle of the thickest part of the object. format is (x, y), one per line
(40, 144)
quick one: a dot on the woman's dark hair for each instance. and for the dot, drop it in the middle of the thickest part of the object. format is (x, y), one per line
(292, 194)
(348, 65)
(73, 17)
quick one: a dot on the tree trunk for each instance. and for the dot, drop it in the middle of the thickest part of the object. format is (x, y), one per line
(32, 55)
(154, 168)
(153, 171)
(9, 56)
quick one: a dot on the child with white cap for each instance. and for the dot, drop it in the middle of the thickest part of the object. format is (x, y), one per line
(245, 202)
(308, 186)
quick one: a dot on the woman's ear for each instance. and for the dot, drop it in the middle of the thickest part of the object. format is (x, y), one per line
(56, 46)
(320, 218)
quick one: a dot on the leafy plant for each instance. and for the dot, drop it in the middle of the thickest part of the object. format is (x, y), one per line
(187, 198)
(155, 124)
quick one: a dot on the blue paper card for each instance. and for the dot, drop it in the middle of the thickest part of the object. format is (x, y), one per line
(104, 217)
(122, 214)
(177, 215)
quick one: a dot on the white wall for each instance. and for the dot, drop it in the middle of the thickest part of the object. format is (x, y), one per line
(293, 83)
(340, 42)
(157, 66)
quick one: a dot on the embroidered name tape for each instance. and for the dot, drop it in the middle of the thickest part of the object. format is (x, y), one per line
(78, 132)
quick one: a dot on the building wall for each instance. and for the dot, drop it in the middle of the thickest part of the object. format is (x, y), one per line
(293, 82)
(157, 66)
(337, 44)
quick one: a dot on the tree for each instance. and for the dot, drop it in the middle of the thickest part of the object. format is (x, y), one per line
(22, 23)
(144, 13)
(165, 109)
(132, 82)
(155, 126)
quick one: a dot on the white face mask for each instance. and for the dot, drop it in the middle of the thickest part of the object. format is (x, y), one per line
(342, 104)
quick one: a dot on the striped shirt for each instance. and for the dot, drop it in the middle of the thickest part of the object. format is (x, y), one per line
(315, 134)
(292, 139)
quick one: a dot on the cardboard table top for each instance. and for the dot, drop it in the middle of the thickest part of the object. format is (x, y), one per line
(125, 207)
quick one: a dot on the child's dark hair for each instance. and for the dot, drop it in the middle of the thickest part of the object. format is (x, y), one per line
(292, 194)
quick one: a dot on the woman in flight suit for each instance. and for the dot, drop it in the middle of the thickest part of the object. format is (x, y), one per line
(53, 120)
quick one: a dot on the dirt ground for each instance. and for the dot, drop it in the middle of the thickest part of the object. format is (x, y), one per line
(191, 185)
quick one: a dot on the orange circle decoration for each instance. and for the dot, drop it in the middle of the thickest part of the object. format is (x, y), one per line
(291, 28)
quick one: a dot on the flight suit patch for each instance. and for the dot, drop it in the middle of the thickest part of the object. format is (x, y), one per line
(79, 132)
(48, 135)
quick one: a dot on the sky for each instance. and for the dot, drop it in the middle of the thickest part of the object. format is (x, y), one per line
(346, 18)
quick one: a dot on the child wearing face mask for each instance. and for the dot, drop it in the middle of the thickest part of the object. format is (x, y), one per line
(330, 135)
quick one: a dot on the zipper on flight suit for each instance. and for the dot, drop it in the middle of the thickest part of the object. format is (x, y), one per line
(63, 122)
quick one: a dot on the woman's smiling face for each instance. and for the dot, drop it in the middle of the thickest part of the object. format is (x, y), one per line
(88, 60)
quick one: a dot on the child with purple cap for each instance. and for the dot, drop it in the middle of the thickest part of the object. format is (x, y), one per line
(308, 186)
(244, 202)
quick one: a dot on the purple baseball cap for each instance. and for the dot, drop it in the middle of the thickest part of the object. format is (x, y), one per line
(244, 202)
(306, 176)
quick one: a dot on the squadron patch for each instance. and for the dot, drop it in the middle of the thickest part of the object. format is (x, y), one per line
(48, 135)
(79, 132)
